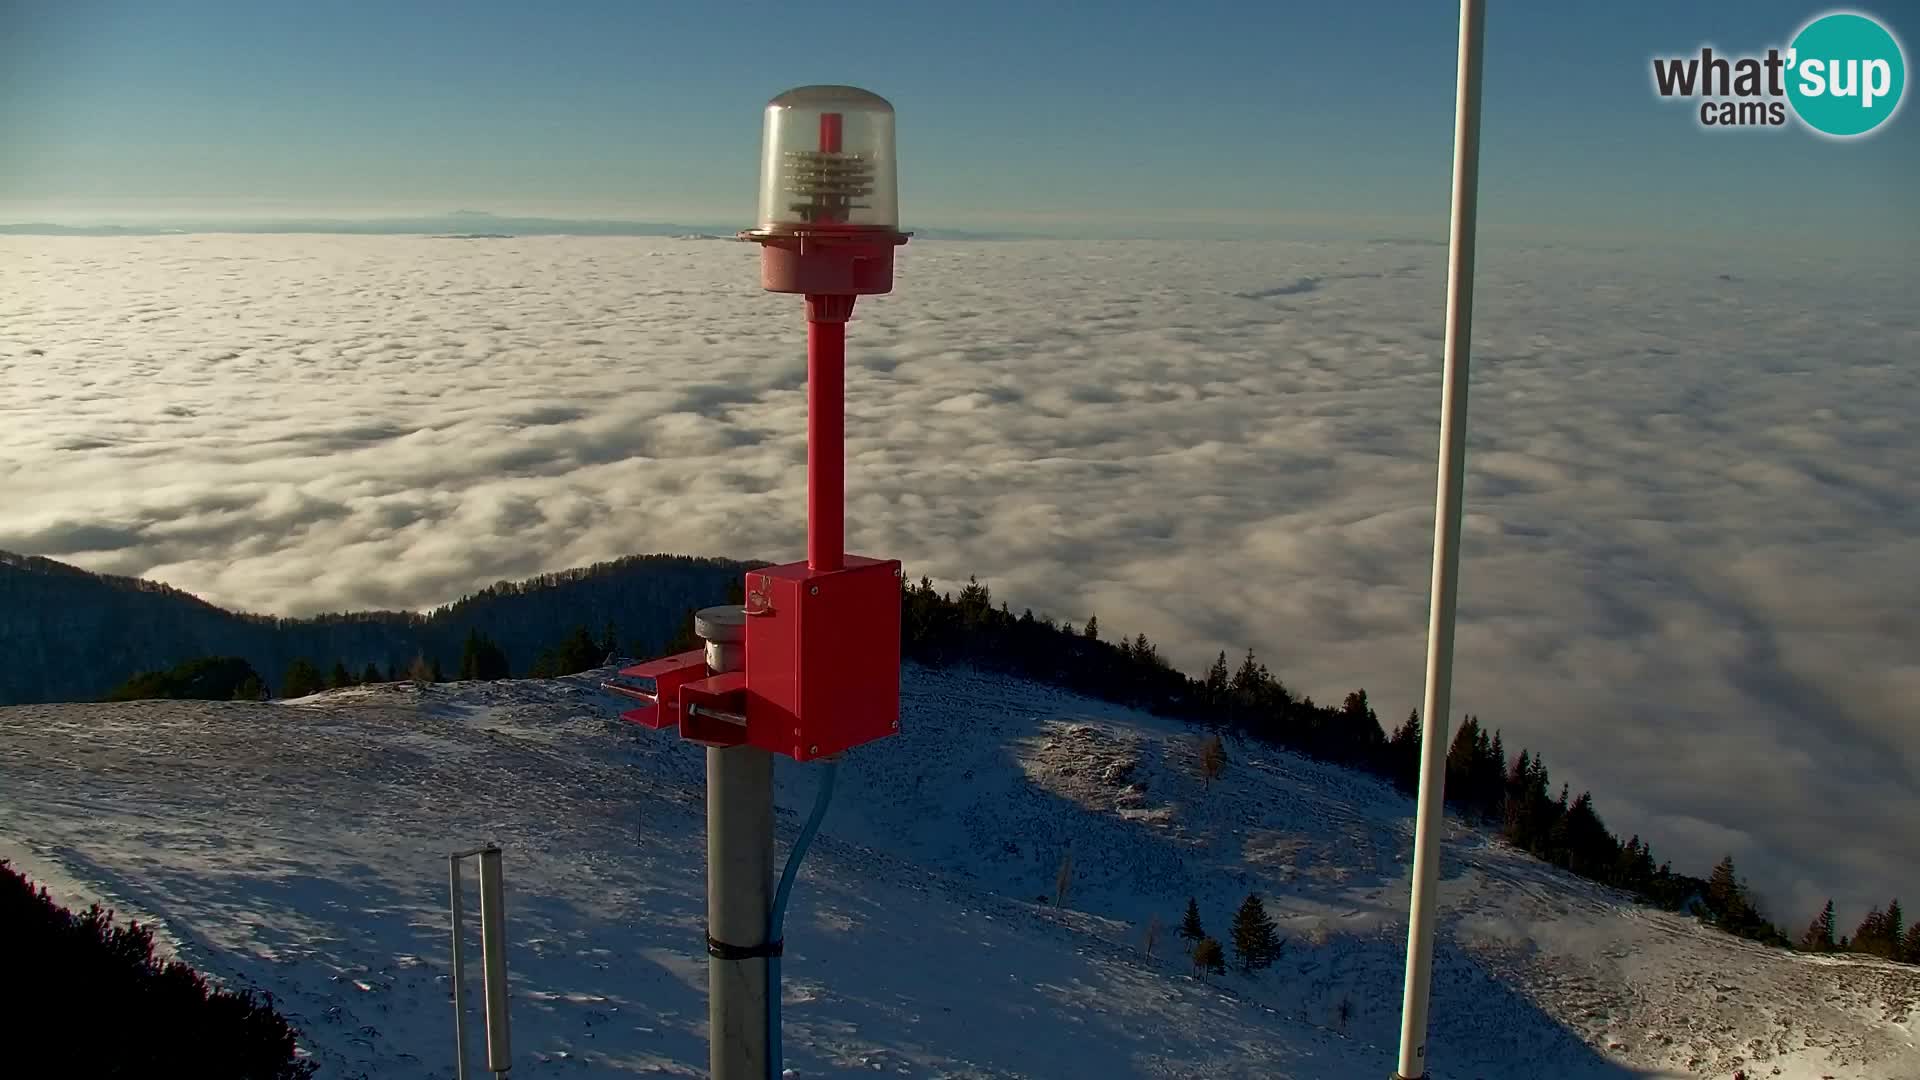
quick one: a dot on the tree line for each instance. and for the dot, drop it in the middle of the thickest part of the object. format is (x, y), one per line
(1512, 795)
(75, 636)
(223, 678)
(232, 678)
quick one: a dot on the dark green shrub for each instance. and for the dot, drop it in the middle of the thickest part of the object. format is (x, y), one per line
(102, 1005)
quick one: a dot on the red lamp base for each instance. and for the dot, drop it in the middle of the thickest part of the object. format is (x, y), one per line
(827, 262)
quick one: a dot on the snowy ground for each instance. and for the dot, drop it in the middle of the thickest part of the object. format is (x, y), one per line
(300, 847)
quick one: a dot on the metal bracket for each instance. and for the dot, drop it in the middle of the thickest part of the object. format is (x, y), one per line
(713, 711)
(667, 674)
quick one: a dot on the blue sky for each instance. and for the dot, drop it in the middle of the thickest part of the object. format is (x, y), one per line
(1105, 115)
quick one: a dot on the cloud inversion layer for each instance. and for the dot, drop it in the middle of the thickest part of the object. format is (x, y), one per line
(1691, 535)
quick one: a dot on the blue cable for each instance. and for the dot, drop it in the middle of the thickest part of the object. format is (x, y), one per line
(777, 921)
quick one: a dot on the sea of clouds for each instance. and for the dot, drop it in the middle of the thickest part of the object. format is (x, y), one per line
(1692, 549)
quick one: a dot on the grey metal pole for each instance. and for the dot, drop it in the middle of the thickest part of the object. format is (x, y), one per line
(493, 959)
(739, 875)
(459, 973)
(1431, 819)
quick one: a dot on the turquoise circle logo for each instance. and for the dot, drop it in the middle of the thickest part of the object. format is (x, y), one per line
(1846, 73)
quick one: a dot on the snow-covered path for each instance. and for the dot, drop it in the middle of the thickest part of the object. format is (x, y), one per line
(301, 847)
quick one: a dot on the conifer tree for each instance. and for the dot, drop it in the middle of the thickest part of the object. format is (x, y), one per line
(1253, 937)
(1407, 733)
(1722, 886)
(976, 601)
(1819, 935)
(1877, 934)
(1092, 632)
(1403, 754)
(683, 640)
(470, 656)
(1460, 764)
(1190, 925)
(480, 658)
(1216, 683)
(1626, 867)
(371, 674)
(1867, 933)
(1514, 821)
(340, 677)
(1496, 775)
(1247, 680)
(302, 679)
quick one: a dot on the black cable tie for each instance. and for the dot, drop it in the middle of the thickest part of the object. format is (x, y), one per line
(716, 947)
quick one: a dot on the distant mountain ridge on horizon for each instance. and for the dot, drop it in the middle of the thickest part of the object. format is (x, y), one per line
(459, 221)
(70, 634)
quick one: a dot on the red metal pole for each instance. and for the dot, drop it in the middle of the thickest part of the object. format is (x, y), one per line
(826, 430)
(826, 408)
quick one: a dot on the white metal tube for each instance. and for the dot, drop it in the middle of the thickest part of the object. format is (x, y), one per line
(739, 874)
(459, 973)
(1430, 823)
(739, 900)
(493, 959)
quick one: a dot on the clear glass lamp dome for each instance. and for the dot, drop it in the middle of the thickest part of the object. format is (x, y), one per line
(827, 163)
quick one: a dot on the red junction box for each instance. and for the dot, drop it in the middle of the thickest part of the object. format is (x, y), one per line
(823, 656)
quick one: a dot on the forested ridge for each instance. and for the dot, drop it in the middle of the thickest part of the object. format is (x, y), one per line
(71, 635)
(84, 636)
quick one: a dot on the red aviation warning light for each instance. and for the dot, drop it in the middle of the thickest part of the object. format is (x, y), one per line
(827, 159)
(810, 665)
(821, 672)
(829, 197)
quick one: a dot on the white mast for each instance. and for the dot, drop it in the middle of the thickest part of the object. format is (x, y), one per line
(1431, 820)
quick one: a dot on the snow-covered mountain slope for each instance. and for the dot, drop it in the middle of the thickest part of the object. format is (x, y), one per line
(300, 847)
